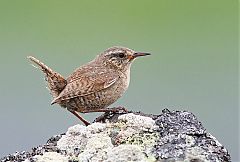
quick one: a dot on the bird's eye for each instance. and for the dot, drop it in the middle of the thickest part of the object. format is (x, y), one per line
(121, 55)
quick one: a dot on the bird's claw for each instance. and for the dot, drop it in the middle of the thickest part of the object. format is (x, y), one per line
(119, 110)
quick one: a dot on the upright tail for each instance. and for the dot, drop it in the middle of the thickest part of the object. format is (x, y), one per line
(56, 82)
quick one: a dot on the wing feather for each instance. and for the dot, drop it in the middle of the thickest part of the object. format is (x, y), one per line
(84, 82)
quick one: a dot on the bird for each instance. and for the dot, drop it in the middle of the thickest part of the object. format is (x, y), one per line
(93, 86)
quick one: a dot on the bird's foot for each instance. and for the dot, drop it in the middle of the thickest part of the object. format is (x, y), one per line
(111, 112)
(118, 109)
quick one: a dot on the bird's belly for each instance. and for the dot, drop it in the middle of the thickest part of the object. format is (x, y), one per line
(97, 100)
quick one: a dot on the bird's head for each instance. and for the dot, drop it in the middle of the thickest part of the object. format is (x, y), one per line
(120, 58)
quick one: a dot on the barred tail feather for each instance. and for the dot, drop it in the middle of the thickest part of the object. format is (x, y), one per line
(56, 82)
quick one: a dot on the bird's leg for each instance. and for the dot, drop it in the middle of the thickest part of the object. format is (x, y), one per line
(79, 117)
(114, 110)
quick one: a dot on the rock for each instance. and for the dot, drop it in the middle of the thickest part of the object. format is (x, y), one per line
(172, 136)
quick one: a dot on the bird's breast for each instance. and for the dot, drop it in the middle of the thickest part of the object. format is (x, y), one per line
(127, 78)
(123, 83)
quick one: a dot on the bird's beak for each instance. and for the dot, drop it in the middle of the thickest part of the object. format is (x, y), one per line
(137, 54)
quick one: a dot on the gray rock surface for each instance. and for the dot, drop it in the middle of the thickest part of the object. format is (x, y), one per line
(172, 136)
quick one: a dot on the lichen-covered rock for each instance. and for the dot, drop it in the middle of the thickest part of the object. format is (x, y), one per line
(169, 137)
(96, 149)
(108, 141)
(73, 140)
(182, 137)
(49, 157)
(132, 120)
(124, 153)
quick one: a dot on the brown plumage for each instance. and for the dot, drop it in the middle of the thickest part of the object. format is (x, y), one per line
(93, 86)
(56, 82)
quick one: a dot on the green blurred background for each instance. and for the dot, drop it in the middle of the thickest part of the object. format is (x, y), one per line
(193, 66)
